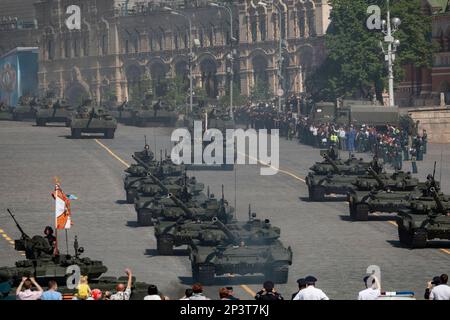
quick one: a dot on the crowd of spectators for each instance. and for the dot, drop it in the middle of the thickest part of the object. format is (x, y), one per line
(29, 289)
(393, 144)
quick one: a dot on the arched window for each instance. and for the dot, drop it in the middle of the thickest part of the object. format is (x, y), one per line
(50, 50)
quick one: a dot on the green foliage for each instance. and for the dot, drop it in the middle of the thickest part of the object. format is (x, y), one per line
(355, 65)
(238, 98)
(176, 94)
(261, 91)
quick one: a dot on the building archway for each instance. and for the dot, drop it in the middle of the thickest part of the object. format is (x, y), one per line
(158, 72)
(444, 87)
(134, 74)
(208, 68)
(260, 65)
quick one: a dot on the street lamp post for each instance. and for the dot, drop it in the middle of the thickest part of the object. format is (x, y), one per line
(280, 49)
(191, 55)
(392, 44)
(230, 56)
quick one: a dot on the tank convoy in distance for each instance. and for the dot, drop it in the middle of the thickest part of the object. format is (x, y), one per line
(422, 210)
(217, 243)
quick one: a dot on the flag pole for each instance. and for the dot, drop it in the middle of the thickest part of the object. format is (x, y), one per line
(67, 242)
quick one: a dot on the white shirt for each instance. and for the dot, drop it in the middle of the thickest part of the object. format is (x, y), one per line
(440, 292)
(152, 297)
(369, 294)
(311, 293)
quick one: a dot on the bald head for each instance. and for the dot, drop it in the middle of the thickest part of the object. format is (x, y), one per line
(120, 287)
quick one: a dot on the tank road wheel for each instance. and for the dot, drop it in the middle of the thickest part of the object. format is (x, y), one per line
(76, 133)
(278, 274)
(418, 239)
(203, 273)
(109, 134)
(40, 122)
(130, 197)
(164, 245)
(318, 193)
(361, 212)
(404, 236)
(351, 208)
(144, 219)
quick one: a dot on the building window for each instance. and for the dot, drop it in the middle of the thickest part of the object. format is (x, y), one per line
(127, 49)
(175, 40)
(66, 49)
(50, 54)
(86, 47)
(104, 45)
(75, 48)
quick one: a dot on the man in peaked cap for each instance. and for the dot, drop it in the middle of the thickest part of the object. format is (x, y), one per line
(311, 292)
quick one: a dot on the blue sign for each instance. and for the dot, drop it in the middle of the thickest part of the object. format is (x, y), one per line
(18, 75)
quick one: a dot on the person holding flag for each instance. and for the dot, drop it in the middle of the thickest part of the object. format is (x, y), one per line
(63, 218)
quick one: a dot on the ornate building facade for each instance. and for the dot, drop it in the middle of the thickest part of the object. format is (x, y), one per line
(121, 42)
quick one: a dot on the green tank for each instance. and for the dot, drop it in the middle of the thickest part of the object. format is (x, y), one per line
(424, 220)
(6, 112)
(123, 113)
(44, 265)
(170, 233)
(387, 195)
(59, 111)
(137, 174)
(152, 113)
(26, 109)
(333, 177)
(236, 256)
(92, 120)
(211, 119)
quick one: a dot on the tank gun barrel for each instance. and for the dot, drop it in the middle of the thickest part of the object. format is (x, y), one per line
(234, 239)
(331, 161)
(439, 205)
(150, 175)
(376, 177)
(183, 207)
(24, 235)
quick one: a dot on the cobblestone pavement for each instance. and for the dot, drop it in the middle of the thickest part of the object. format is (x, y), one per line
(325, 243)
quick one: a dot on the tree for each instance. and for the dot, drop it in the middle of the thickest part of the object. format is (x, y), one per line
(261, 91)
(355, 64)
(238, 98)
(176, 94)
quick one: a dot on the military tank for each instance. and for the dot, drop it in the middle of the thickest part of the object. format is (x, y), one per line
(170, 234)
(137, 175)
(210, 119)
(59, 112)
(153, 114)
(388, 195)
(26, 109)
(123, 113)
(6, 112)
(351, 166)
(238, 257)
(92, 120)
(332, 178)
(424, 220)
(43, 264)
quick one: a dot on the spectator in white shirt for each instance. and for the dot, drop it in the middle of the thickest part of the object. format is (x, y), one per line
(28, 294)
(441, 291)
(152, 293)
(311, 292)
(372, 291)
(122, 292)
